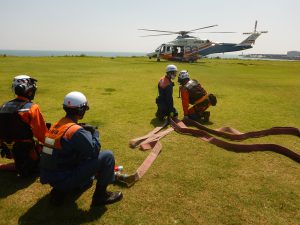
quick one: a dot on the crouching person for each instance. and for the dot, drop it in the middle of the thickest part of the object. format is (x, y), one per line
(20, 122)
(71, 156)
(193, 93)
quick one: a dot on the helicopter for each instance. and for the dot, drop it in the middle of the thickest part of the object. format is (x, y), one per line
(186, 48)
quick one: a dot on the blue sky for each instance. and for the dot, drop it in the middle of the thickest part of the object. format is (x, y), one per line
(105, 25)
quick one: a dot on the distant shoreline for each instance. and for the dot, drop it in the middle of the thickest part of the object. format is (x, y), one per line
(50, 53)
(45, 53)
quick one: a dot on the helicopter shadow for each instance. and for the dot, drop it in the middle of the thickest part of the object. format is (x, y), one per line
(45, 213)
(10, 183)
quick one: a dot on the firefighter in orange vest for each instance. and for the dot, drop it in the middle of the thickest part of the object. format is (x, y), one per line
(193, 93)
(164, 101)
(20, 121)
(71, 156)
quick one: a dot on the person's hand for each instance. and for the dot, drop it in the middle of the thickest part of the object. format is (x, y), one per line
(48, 125)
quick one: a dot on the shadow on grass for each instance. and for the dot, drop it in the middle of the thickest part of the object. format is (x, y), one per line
(11, 183)
(156, 122)
(69, 213)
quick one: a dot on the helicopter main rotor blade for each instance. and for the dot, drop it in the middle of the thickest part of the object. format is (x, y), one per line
(220, 32)
(171, 32)
(155, 35)
(203, 28)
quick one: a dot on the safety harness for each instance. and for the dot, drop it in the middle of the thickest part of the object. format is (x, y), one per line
(197, 94)
(151, 141)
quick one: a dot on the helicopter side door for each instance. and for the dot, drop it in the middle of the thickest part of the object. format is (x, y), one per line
(177, 51)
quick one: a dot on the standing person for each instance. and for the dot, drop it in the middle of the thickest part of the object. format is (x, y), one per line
(20, 121)
(71, 156)
(164, 101)
(193, 93)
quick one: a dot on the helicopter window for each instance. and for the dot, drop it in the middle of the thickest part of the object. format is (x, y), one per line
(163, 48)
(168, 48)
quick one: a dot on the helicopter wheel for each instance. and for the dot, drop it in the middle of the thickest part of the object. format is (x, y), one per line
(158, 60)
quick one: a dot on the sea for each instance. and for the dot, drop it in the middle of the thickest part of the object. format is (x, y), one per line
(45, 53)
(40, 53)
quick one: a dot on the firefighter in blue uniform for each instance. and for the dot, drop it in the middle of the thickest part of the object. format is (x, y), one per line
(71, 156)
(20, 121)
(164, 101)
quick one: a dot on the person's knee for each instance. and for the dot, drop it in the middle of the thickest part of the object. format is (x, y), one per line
(107, 157)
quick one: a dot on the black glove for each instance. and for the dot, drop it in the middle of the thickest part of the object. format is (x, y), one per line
(48, 125)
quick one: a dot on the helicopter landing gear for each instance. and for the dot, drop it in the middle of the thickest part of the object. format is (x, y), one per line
(158, 59)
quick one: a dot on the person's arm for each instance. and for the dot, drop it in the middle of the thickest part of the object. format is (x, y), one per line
(185, 100)
(36, 121)
(85, 144)
(169, 98)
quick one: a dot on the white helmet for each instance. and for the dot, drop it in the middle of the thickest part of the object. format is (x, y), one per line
(183, 74)
(171, 68)
(75, 99)
(24, 85)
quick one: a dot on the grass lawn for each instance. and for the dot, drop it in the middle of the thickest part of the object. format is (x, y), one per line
(191, 181)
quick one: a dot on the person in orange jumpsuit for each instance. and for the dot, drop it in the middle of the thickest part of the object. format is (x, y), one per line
(193, 93)
(20, 122)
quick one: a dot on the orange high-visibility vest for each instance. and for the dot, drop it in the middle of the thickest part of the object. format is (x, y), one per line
(65, 127)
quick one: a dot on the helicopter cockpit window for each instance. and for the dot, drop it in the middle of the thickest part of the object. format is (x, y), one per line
(163, 48)
(169, 49)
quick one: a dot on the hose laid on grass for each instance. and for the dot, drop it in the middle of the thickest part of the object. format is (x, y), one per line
(146, 142)
(203, 134)
(233, 134)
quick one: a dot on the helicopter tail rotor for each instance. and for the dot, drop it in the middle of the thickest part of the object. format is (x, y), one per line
(255, 31)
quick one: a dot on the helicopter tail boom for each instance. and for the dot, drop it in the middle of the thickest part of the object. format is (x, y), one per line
(250, 40)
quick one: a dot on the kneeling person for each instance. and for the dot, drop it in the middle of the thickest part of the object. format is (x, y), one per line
(164, 101)
(20, 122)
(193, 93)
(71, 156)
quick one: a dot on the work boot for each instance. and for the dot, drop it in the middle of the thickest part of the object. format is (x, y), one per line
(106, 198)
(57, 197)
(206, 116)
(159, 116)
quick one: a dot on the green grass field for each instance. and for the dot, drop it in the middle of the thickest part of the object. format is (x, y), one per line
(191, 181)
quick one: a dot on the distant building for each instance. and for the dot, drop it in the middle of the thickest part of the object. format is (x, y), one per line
(293, 54)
